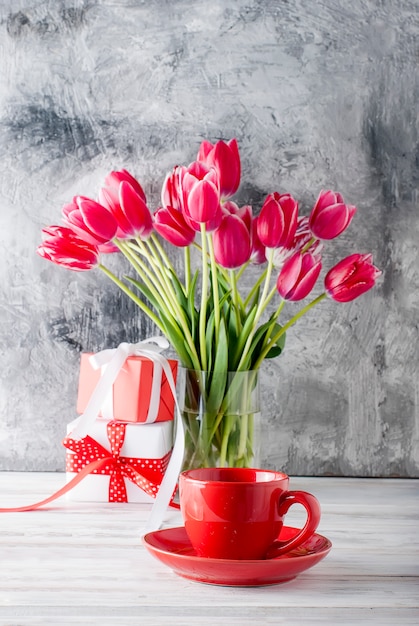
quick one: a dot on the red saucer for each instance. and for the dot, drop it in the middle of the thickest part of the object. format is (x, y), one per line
(172, 547)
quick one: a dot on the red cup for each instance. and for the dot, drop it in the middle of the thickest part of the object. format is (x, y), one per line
(238, 513)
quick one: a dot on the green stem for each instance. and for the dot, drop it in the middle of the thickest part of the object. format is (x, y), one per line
(187, 262)
(163, 278)
(160, 256)
(242, 269)
(273, 323)
(244, 422)
(308, 245)
(286, 326)
(235, 294)
(161, 251)
(270, 254)
(264, 299)
(147, 275)
(226, 436)
(204, 295)
(215, 294)
(133, 297)
(159, 275)
(255, 288)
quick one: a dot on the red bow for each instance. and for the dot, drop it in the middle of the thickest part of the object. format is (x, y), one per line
(145, 473)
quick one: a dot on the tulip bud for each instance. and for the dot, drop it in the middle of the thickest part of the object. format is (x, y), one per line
(63, 247)
(129, 210)
(244, 212)
(90, 220)
(171, 224)
(225, 158)
(277, 221)
(351, 277)
(298, 276)
(200, 196)
(231, 242)
(171, 193)
(330, 215)
(115, 178)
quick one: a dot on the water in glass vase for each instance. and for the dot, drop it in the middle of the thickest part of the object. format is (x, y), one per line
(221, 418)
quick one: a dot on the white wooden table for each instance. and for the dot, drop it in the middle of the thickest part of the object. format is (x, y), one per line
(82, 563)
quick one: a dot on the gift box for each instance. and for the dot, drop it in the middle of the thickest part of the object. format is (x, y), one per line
(128, 399)
(122, 462)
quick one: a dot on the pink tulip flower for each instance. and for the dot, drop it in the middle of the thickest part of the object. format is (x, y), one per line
(277, 221)
(244, 212)
(115, 178)
(90, 220)
(298, 276)
(171, 224)
(200, 196)
(63, 247)
(351, 277)
(129, 210)
(330, 216)
(232, 244)
(171, 194)
(303, 237)
(225, 158)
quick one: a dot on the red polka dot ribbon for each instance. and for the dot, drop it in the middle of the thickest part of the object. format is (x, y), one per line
(145, 473)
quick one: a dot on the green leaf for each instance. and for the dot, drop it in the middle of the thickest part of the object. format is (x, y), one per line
(209, 339)
(192, 312)
(179, 288)
(245, 332)
(254, 299)
(231, 324)
(192, 289)
(177, 339)
(146, 291)
(219, 374)
(278, 346)
(266, 330)
(222, 283)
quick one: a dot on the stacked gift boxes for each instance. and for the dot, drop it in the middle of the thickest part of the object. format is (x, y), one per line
(130, 447)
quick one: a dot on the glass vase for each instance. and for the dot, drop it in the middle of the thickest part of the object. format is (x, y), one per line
(221, 418)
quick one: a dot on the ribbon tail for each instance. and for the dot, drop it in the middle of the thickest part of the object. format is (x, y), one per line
(68, 487)
(168, 485)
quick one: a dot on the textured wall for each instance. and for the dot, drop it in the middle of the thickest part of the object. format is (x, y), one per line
(320, 94)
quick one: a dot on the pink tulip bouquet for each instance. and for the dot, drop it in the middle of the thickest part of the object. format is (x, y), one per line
(219, 333)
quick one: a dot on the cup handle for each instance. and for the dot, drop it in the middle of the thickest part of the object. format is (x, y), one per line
(311, 505)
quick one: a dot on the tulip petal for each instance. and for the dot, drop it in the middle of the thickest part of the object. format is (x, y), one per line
(306, 283)
(171, 225)
(203, 201)
(97, 218)
(225, 159)
(115, 178)
(271, 224)
(231, 240)
(330, 216)
(137, 216)
(298, 276)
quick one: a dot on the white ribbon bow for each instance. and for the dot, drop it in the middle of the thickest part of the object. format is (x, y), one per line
(114, 360)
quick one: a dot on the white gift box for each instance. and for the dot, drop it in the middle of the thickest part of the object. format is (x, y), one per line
(145, 453)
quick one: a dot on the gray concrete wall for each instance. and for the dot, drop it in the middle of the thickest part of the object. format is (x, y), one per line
(320, 94)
